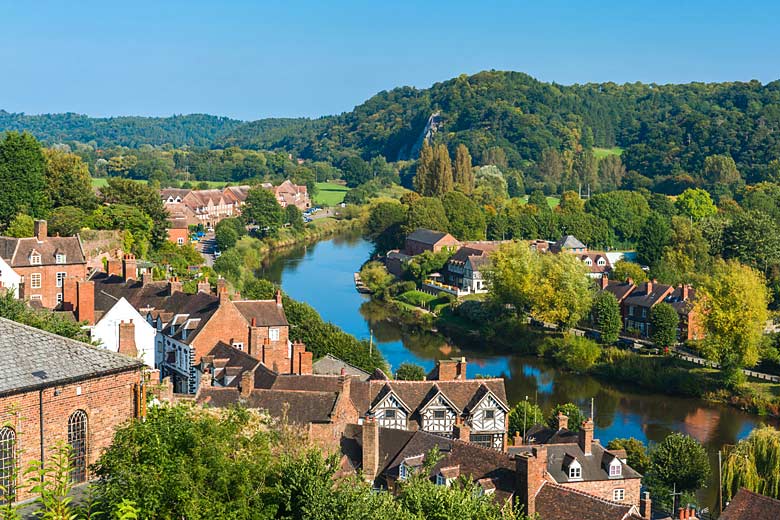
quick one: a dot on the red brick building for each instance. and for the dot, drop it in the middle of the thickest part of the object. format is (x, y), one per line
(44, 263)
(58, 390)
(422, 240)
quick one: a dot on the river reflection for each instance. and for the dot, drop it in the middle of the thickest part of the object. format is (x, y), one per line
(322, 275)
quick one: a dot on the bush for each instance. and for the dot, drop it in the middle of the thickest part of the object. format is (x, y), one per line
(410, 372)
(575, 353)
(524, 414)
(570, 410)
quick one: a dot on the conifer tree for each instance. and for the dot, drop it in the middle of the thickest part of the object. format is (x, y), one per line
(442, 171)
(464, 172)
(422, 179)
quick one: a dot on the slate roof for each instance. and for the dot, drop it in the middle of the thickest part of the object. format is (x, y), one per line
(620, 289)
(16, 251)
(426, 236)
(644, 298)
(266, 313)
(33, 358)
(594, 467)
(747, 505)
(541, 434)
(229, 363)
(300, 407)
(555, 502)
(569, 242)
(331, 365)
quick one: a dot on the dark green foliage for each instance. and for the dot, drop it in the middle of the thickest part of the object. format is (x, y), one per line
(66, 220)
(679, 461)
(663, 322)
(179, 258)
(635, 450)
(20, 226)
(410, 372)
(293, 217)
(426, 212)
(754, 239)
(572, 411)
(17, 310)
(523, 415)
(538, 199)
(606, 316)
(263, 210)
(384, 225)
(466, 219)
(656, 235)
(68, 182)
(225, 237)
(144, 197)
(22, 177)
(625, 211)
(355, 171)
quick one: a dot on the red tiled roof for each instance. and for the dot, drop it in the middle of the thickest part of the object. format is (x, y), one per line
(747, 505)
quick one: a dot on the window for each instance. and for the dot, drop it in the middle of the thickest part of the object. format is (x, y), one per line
(403, 471)
(441, 480)
(481, 439)
(77, 438)
(35, 258)
(273, 334)
(7, 462)
(490, 415)
(61, 279)
(575, 470)
(239, 346)
(59, 297)
(389, 414)
(644, 312)
(180, 241)
(35, 281)
(59, 258)
(618, 495)
(439, 414)
(631, 310)
(36, 297)
(615, 468)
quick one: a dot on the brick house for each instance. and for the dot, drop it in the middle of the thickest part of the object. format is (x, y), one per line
(59, 390)
(422, 240)
(289, 194)
(746, 505)
(637, 300)
(178, 232)
(465, 269)
(43, 263)
(206, 207)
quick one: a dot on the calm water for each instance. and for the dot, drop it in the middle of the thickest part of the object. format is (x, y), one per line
(322, 275)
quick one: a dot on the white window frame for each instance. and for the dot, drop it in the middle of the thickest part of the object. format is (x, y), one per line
(59, 297)
(273, 334)
(60, 258)
(61, 278)
(403, 471)
(615, 469)
(618, 495)
(36, 297)
(441, 480)
(575, 471)
(492, 415)
(180, 241)
(36, 277)
(239, 345)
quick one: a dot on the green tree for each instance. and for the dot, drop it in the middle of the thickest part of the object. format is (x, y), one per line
(66, 220)
(625, 211)
(611, 172)
(464, 171)
(551, 167)
(423, 178)
(144, 197)
(623, 270)
(573, 353)
(753, 464)
(753, 238)
(441, 181)
(420, 266)
(56, 323)
(636, 452)
(606, 317)
(466, 219)
(570, 203)
(732, 305)
(68, 182)
(570, 410)
(427, 212)
(263, 210)
(294, 217)
(22, 177)
(21, 226)
(695, 203)
(537, 198)
(720, 171)
(656, 235)
(375, 276)
(225, 237)
(664, 321)
(383, 227)
(356, 171)
(410, 372)
(524, 414)
(679, 462)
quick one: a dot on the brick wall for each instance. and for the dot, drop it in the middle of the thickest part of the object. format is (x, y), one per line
(108, 402)
(605, 488)
(48, 291)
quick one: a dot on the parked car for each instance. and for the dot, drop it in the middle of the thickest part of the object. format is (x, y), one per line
(217, 254)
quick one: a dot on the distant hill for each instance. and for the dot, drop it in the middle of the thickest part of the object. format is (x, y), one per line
(189, 130)
(663, 129)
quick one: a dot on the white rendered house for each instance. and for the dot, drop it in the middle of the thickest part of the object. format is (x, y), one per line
(106, 330)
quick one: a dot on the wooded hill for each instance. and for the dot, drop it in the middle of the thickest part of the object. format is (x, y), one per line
(664, 129)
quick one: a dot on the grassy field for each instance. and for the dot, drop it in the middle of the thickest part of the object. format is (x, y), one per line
(100, 182)
(551, 201)
(600, 153)
(330, 193)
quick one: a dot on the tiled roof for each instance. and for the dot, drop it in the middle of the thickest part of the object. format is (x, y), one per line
(644, 298)
(231, 362)
(569, 242)
(555, 502)
(541, 434)
(426, 236)
(594, 467)
(299, 407)
(747, 505)
(33, 358)
(266, 313)
(16, 251)
(331, 365)
(620, 289)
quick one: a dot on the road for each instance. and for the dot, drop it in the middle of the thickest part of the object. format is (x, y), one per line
(207, 246)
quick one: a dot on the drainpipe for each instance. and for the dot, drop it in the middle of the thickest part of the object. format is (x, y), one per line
(40, 424)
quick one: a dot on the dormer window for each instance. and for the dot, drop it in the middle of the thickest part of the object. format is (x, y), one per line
(35, 258)
(575, 471)
(60, 258)
(615, 468)
(588, 261)
(602, 262)
(404, 471)
(441, 480)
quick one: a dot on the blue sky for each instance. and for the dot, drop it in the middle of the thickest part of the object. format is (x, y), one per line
(296, 58)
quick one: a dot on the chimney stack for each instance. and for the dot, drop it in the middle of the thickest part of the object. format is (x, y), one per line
(345, 386)
(461, 431)
(279, 298)
(451, 369)
(222, 293)
(517, 440)
(646, 506)
(129, 267)
(146, 278)
(586, 437)
(247, 383)
(685, 292)
(205, 378)
(604, 281)
(563, 421)
(85, 302)
(114, 267)
(630, 281)
(204, 286)
(174, 285)
(127, 339)
(370, 448)
(530, 472)
(650, 286)
(41, 229)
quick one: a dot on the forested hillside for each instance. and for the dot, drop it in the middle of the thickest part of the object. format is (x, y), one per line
(189, 130)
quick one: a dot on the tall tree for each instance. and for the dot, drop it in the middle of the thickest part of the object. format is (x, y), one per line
(680, 462)
(423, 176)
(464, 171)
(656, 235)
(606, 315)
(467, 221)
(754, 464)
(427, 212)
(720, 170)
(67, 181)
(442, 172)
(664, 321)
(263, 210)
(22, 177)
(551, 167)
(695, 203)
(145, 197)
(611, 172)
(753, 238)
(732, 305)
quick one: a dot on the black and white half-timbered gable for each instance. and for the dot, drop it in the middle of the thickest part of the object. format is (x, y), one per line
(390, 411)
(487, 418)
(439, 414)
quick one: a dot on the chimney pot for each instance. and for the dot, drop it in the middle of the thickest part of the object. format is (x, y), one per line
(586, 437)
(279, 297)
(247, 383)
(563, 421)
(40, 229)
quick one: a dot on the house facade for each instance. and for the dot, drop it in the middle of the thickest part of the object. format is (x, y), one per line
(466, 268)
(289, 194)
(421, 240)
(59, 390)
(42, 263)
(206, 207)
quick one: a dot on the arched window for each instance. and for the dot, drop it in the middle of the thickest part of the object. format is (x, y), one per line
(77, 438)
(7, 463)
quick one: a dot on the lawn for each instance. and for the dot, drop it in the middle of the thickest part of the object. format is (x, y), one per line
(600, 153)
(102, 181)
(551, 201)
(330, 193)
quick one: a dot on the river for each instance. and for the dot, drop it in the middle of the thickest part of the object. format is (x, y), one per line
(321, 274)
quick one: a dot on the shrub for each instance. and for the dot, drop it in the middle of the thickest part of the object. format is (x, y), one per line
(410, 372)
(575, 353)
